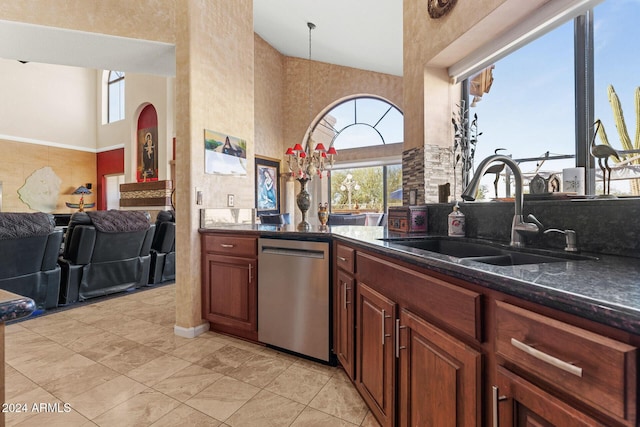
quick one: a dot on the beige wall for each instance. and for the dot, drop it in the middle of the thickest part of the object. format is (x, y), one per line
(269, 100)
(329, 84)
(214, 90)
(142, 19)
(20, 160)
(48, 104)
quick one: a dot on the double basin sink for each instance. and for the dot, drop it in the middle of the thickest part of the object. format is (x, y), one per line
(484, 252)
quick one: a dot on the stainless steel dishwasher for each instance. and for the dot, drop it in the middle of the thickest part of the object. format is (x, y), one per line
(293, 296)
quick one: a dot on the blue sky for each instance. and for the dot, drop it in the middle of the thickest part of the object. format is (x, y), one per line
(530, 107)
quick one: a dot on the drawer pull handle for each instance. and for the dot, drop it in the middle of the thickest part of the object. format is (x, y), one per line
(554, 361)
(398, 346)
(345, 289)
(226, 245)
(495, 410)
(343, 259)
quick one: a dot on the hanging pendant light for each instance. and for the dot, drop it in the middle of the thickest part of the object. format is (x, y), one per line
(306, 162)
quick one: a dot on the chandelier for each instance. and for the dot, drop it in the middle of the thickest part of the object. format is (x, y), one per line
(305, 163)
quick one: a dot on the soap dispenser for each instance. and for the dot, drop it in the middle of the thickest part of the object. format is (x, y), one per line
(456, 222)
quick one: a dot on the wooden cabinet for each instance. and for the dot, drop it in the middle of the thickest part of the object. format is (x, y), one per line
(344, 322)
(230, 284)
(595, 373)
(439, 376)
(517, 402)
(375, 352)
(343, 309)
(409, 371)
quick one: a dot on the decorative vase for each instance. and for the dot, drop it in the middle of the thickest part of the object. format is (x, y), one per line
(303, 200)
(323, 215)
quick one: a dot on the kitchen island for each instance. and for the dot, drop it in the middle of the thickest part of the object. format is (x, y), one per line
(506, 341)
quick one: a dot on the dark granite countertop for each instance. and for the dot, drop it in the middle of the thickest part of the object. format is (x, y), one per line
(14, 306)
(605, 290)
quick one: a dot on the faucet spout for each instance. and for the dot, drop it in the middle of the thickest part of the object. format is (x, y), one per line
(518, 227)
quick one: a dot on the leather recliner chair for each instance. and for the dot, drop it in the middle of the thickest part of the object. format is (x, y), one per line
(105, 252)
(29, 246)
(163, 249)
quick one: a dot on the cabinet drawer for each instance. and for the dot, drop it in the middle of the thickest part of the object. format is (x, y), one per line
(345, 258)
(231, 245)
(438, 301)
(592, 368)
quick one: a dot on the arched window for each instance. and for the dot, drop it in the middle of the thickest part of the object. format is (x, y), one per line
(115, 93)
(362, 122)
(373, 185)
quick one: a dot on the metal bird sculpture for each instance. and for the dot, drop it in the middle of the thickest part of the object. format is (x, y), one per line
(602, 152)
(497, 169)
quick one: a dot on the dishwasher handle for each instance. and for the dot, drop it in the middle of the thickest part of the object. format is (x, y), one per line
(307, 253)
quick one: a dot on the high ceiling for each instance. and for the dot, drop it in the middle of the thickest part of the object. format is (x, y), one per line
(354, 33)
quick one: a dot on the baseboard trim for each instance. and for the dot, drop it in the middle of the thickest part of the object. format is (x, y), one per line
(191, 332)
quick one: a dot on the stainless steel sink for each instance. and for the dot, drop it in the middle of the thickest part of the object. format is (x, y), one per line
(484, 252)
(455, 248)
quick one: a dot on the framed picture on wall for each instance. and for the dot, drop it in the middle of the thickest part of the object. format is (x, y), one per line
(224, 154)
(267, 186)
(147, 154)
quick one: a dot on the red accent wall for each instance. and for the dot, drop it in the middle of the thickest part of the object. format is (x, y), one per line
(108, 163)
(148, 117)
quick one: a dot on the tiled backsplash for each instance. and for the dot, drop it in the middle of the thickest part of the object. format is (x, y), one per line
(602, 226)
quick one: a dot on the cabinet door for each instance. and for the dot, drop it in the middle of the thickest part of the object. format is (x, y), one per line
(230, 295)
(439, 377)
(343, 298)
(375, 363)
(517, 402)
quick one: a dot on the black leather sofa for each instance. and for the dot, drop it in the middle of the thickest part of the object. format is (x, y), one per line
(163, 249)
(29, 246)
(105, 252)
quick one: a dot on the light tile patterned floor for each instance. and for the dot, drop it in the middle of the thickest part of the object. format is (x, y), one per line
(118, 363)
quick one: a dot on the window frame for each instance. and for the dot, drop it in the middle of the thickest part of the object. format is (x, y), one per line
(119, 80)
(337, 132)
(385, 181)
(583, 84)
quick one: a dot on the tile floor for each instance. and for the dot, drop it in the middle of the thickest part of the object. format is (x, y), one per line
(118, 363)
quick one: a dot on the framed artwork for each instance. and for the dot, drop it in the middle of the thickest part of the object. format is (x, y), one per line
(147, 154)
(224, 154)
(267, 186)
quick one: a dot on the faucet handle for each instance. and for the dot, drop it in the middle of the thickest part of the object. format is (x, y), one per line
(534, 220)
(570, 238)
